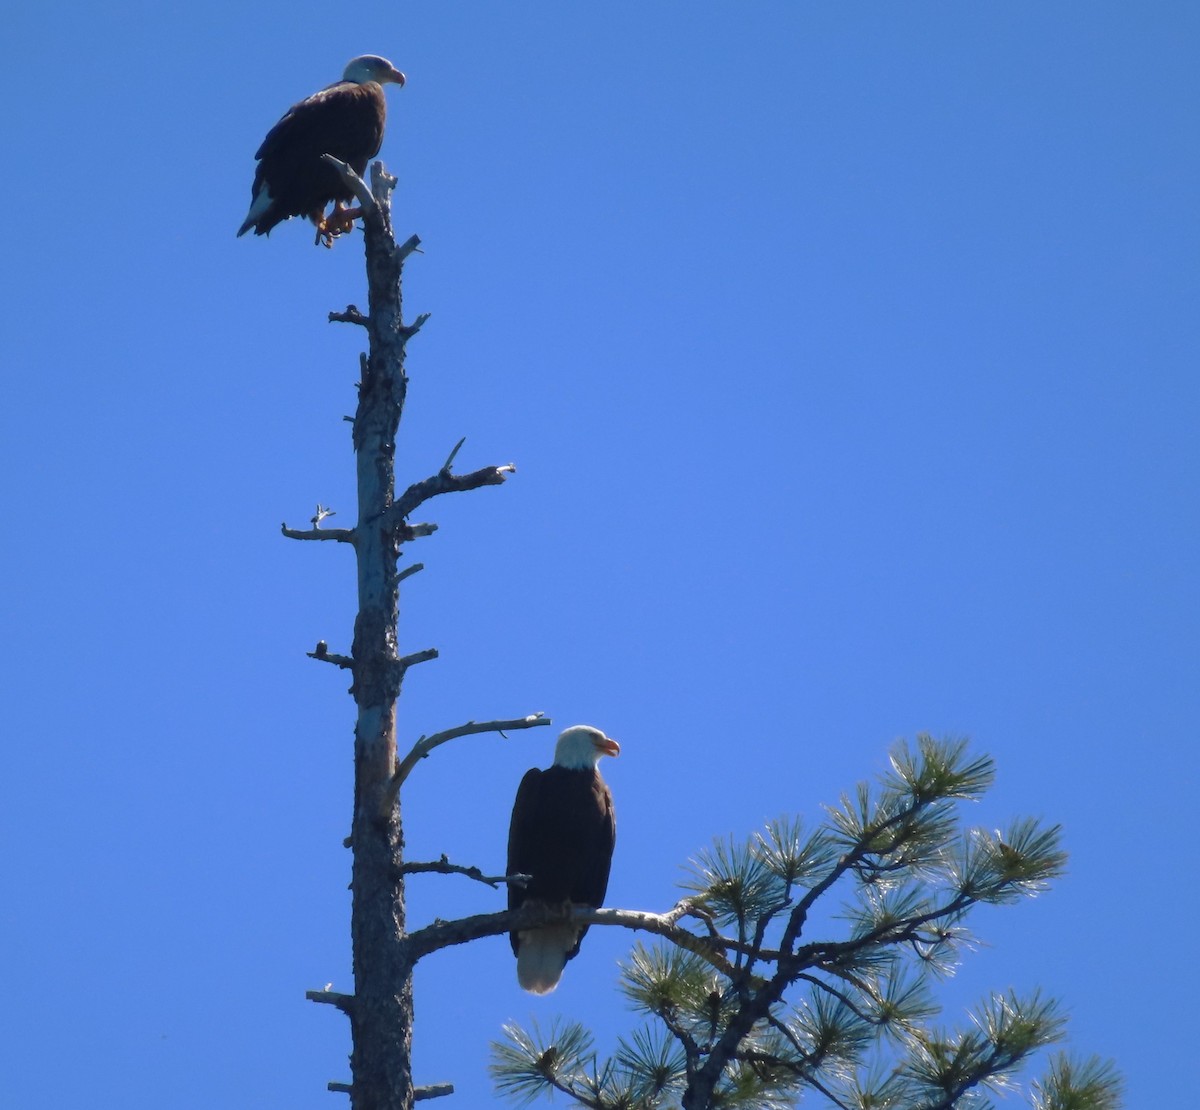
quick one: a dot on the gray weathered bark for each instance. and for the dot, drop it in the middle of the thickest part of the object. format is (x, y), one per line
(381, 1014)
(381, 1008)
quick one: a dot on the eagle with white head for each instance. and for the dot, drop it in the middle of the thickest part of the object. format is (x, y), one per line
(562, 835)
(344, 119)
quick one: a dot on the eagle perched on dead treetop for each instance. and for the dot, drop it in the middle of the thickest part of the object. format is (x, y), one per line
(344, 119)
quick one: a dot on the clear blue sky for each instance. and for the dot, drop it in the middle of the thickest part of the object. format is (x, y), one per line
(848, 354)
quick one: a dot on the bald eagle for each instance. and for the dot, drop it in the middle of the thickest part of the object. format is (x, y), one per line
(562, 835)
(344, 119)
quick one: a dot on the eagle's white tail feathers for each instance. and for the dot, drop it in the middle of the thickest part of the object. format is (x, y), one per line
(543, 955)
(258, 207)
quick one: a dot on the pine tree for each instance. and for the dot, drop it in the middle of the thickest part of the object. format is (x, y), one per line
(765, 997)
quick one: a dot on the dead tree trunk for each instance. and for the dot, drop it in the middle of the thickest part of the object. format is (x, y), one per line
(380, 1009)
(381, 1016)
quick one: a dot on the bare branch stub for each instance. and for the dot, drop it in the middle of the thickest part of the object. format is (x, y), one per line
(382, 184)
(343, 1002)
(405, 532)
(409, 571)
(323, 655)
(338, 535)
(350, 316)
(416, 657)
(432, 1090)
(411, 329)
(453, 455)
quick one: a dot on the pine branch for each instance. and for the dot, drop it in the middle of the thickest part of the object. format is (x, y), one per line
(879, 835)
(803, 1054)
(818, 1086)
(843, 998)
(845, 864)
(919, 789)
(528, 1063)
(1071, 1084)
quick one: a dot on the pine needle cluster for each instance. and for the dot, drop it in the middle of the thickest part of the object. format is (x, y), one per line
(818, 950)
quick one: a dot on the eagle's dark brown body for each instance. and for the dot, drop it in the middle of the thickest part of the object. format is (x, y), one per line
(345, 120)
(562, 834)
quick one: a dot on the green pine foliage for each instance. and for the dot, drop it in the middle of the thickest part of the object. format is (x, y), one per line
(770, 1009)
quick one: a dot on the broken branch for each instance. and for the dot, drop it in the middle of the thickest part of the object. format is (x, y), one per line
(339, 535)
(416, 657)
(322, 653)
(443, 482)
(353, 182)
(350, 316)
(344, 1002)
(444, 867)
(426, 744)
(411, 329)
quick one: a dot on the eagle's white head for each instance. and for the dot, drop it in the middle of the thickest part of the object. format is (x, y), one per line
(580, 747)
(371, 67)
